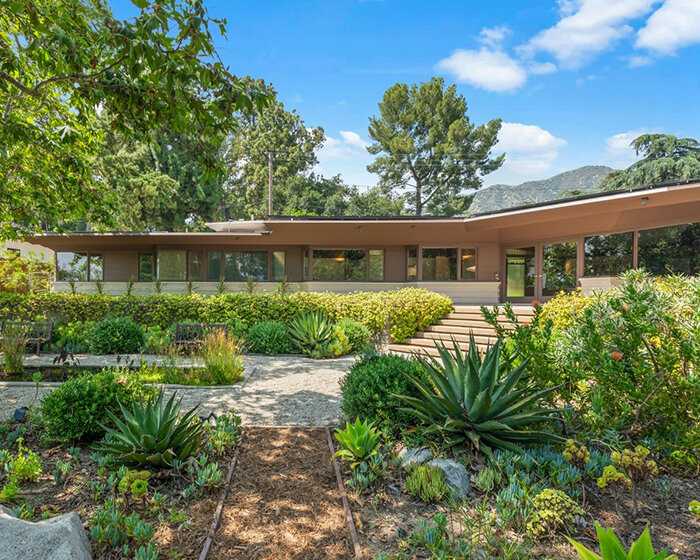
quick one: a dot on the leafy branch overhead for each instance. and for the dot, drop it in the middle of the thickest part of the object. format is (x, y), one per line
(63, 62)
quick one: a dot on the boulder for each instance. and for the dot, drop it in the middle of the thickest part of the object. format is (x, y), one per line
(413, 456)
(59, 538)
(456, 476)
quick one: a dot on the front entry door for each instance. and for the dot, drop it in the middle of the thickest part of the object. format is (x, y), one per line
(539, 272)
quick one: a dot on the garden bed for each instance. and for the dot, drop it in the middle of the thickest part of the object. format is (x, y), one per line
(283, 501)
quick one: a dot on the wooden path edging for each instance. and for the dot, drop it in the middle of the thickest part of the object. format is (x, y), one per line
(220, 507)
(344, 498)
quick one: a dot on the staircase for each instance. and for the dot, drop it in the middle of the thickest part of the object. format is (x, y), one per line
(457, 325)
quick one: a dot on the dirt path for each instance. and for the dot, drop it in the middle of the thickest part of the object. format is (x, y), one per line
(284, 501)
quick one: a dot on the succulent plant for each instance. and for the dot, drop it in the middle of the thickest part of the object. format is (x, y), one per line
(358, 442)
(152, 435)
(467, 400)
(317, 336)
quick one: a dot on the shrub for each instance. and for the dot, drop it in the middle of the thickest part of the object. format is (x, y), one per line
(552, 511)
(370, 389)
(156, 340)
(564, 309)
(152, 434)
(358, 335)
(115, 334)
(268, 337)
(402, 312)
(77, 409)
(26, 466)
(222, 359)
(427, 483)
(73, 337)
(468, 400)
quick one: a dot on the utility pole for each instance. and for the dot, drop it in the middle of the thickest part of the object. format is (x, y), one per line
(269, 183)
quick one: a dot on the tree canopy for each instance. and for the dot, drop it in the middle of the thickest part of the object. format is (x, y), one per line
(666, 158)
(276, 133)
(60, 62)
(426, 144)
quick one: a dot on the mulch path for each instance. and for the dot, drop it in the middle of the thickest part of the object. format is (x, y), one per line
(283, 502)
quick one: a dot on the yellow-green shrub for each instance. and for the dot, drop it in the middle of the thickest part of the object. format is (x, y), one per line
(563, 309)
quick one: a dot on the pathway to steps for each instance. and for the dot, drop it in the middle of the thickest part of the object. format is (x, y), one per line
(458, 324)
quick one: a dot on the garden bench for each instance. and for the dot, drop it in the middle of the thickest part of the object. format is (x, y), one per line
(34, 332)
(193, 333)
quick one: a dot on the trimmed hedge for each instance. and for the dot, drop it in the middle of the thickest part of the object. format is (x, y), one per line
(403, 311)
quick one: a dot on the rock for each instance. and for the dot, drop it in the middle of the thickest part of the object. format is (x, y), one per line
(411, 456)
(59, 538)
(20, 413)
(456, 476)
(6, 511)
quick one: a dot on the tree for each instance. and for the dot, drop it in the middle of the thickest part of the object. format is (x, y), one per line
(666, 158)
(374, 202)
(61, 61)
(312, 195)
(425, 142)
(277, 134)
(160, 182)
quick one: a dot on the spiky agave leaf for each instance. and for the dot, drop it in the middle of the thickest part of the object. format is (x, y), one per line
(152, 434)
(467, 399)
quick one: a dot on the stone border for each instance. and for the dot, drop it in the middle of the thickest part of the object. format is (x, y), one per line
(344, 499)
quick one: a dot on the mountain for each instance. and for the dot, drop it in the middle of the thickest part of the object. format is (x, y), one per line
(577, 181)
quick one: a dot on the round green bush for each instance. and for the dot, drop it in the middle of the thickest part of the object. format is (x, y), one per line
(115, 334)
(268, 337)
(358, 335)
(75, 410)
(369, 386)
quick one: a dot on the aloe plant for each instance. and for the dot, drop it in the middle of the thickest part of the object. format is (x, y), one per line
(611, 548)
(468, 400)
(152, 435)
(312, 333)
(359, 442)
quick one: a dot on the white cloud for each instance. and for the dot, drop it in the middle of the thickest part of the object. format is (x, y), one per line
(541, 67)
(587, 28)
(639, 61)
(617, 147)
(353, 139)
(493, 36)
(492, 70)
(674, 25)
(530, 150)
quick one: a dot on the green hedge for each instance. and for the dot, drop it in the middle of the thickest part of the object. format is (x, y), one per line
(403, 311)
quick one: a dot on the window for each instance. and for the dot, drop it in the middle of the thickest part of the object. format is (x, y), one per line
(172, 265)
(608, 255)
(412, 263)
(558, 268)
(95, 267)
(468, 264)
(240, 265)
(340, 265)
(305, 264)
(214, 270)
(439, 264)
(146, 267)
(195, 265)
(72, 266)
(278, 265)
(376, 265)
(673, 249)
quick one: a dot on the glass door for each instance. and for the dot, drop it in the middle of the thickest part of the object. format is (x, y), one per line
(520, 274)
(558, 269)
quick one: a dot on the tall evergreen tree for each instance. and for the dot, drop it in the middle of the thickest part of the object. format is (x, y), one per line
(666, 158)
(426, 144)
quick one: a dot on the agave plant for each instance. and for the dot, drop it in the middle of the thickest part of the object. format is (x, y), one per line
(468, 399)
(359, 442)
(152, 435)
(312, 333)
(611, 548)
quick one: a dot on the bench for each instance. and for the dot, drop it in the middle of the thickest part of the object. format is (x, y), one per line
(193, 334)
(34, 332)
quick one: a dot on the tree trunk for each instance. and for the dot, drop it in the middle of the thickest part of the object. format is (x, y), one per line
(419, 200)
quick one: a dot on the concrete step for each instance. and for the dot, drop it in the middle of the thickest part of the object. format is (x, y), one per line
(463, 344)
(410, 350)
(455, 329)
(461, 338)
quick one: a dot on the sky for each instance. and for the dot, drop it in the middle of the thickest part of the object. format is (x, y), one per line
(574, 81)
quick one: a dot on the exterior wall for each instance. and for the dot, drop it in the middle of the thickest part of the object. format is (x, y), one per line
(25, 249)
(459, 292)
(590, 284)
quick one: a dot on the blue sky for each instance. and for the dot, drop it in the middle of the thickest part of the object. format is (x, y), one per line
(573, 80)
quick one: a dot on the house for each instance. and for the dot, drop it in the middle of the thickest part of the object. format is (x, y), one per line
(520, 254)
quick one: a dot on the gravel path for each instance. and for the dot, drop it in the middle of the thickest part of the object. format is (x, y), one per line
(279, 391)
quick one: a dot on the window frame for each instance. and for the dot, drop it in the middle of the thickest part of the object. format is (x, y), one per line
(88, 255)
(366, 250)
